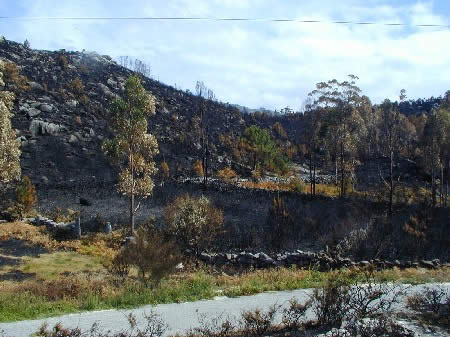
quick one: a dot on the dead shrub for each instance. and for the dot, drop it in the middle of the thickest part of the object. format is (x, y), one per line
(226, 174)
(119, 265)
(155, 326)
(293, 316)
(151, 254)
(219, 326)
(381, 326)
(63, 62)
(197, 168)
(12, 78)
(64, 288)
(255, 323)
(25, 196)
(432, 304)
(77, 87)
(165, 170)
(59, 215)
(330, 302)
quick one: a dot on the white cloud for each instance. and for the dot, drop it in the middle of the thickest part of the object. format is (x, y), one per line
(259, 63)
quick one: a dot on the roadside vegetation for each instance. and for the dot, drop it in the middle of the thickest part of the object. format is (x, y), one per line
(344, 306)
(77, 275)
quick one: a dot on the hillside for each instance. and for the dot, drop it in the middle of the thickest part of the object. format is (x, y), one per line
(63, 118)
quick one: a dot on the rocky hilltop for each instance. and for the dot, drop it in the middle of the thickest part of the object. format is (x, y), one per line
(62, 118)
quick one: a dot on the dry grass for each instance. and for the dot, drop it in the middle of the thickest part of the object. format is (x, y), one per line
(95, 244)
(266, 185)
(35, 235)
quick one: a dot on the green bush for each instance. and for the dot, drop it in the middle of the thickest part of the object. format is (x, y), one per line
(193, 222)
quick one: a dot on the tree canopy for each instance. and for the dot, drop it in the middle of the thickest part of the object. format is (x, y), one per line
(133, 148)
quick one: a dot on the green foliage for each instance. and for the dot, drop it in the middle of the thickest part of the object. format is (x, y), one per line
(262, 150)
(9, 145)
(132, 148)
(194, 222)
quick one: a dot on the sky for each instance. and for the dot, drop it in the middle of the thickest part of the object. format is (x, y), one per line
(257, 63)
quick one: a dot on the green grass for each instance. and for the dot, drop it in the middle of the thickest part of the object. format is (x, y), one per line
(49, 266)
(28, 302)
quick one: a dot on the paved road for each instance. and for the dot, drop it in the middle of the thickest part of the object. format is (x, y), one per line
(179, 316)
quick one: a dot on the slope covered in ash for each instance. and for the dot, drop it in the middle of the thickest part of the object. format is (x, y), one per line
(63, 118)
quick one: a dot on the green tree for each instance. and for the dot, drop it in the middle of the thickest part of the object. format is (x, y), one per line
(133, 148)
(9, 145)
(262, 149)
(343, 124)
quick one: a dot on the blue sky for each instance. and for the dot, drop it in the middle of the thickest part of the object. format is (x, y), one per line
(256, 63)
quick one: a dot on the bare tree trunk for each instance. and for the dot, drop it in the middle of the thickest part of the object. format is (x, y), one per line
(314, 175)
(448, 178)
(433, 183)
(132, 196)
(342, 194)
(336, 170)
(310, 172)
(441, 197)
(391, 183)
(206, 163)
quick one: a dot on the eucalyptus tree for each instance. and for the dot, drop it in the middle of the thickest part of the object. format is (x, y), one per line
(132, 148)
(9, 144)
(342, 123)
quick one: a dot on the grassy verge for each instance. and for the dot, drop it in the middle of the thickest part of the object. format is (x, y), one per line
(75, 279)
(37, 299)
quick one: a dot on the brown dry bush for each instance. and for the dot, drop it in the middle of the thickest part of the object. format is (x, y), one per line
(77, 87)
(219, 326)
(293, 316)
(25, 196)
(13, 79)
(154, 327)
(226, 174)
(152, 255)
(165, 170)
(63, 62)
(255, 323)
(331, 302)
(64, 288)
(432, 305)
(197, 168)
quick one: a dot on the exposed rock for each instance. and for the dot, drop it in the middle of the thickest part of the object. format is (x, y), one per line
(33, 112)
(38, 127)
(46, 108)
(35, 86)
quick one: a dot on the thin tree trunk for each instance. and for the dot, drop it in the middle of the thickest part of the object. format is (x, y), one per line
(448, 178)
(342, 171)
(310, 172)
(132, 196)
(314, 176)
(336, 170)
(441, 198)
(433, 183)
(391, 183)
